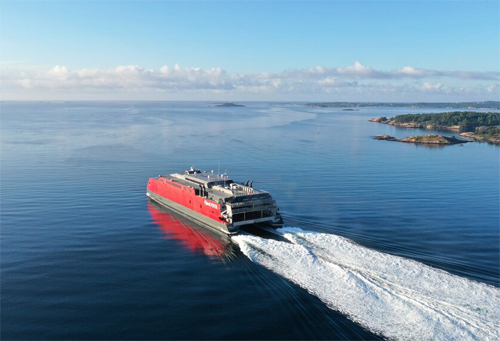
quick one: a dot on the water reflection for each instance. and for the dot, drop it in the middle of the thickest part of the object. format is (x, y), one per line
(195, 238)
(434, 146)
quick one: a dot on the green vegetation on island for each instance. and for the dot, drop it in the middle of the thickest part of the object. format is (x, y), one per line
(487, 105)
(454, 118)
(481, 126)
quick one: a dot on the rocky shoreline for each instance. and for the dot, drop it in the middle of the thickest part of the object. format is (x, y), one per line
(479, 135)
(424, 139)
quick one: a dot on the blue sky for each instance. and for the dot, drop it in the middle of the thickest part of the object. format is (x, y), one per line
(250, 50)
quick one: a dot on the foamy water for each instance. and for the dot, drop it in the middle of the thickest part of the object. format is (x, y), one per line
(393, 296)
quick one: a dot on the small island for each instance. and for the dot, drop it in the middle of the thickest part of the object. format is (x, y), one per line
(228, 105)
(481, 126)
(424, 139)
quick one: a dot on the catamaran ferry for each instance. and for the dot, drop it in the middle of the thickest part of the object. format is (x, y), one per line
(215, 200)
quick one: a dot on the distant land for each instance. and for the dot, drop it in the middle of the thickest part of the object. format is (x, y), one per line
(228, 105)
(481, 126)
(488, 105)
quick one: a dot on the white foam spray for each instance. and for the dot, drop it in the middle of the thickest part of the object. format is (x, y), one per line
(389, 295)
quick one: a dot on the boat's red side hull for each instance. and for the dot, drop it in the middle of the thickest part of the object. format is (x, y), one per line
(185, 196)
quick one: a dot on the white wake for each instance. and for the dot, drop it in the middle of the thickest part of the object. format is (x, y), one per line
(389, 295)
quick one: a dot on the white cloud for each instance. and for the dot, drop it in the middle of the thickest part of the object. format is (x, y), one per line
(359, 70)
(335, 82)
(354, 80)
(410, 71)
(427, 86)
(59, 72)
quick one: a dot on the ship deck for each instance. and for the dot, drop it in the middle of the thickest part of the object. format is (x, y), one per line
(218, 186)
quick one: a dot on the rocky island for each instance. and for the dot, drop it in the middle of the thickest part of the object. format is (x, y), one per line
(228, 105)
(424, 139)
(482, 126)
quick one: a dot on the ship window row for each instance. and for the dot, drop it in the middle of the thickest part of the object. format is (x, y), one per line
(251, 215)
(256, 208)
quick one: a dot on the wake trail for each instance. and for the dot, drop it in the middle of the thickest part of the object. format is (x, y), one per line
(389, 295)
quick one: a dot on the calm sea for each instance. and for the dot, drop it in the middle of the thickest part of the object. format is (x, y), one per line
(382, 239)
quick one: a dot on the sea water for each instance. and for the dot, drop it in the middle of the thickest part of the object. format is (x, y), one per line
(382, 239)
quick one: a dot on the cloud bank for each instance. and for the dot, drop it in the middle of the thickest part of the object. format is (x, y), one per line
(354, 82)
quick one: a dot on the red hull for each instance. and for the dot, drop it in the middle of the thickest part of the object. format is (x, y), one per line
(185, 196)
